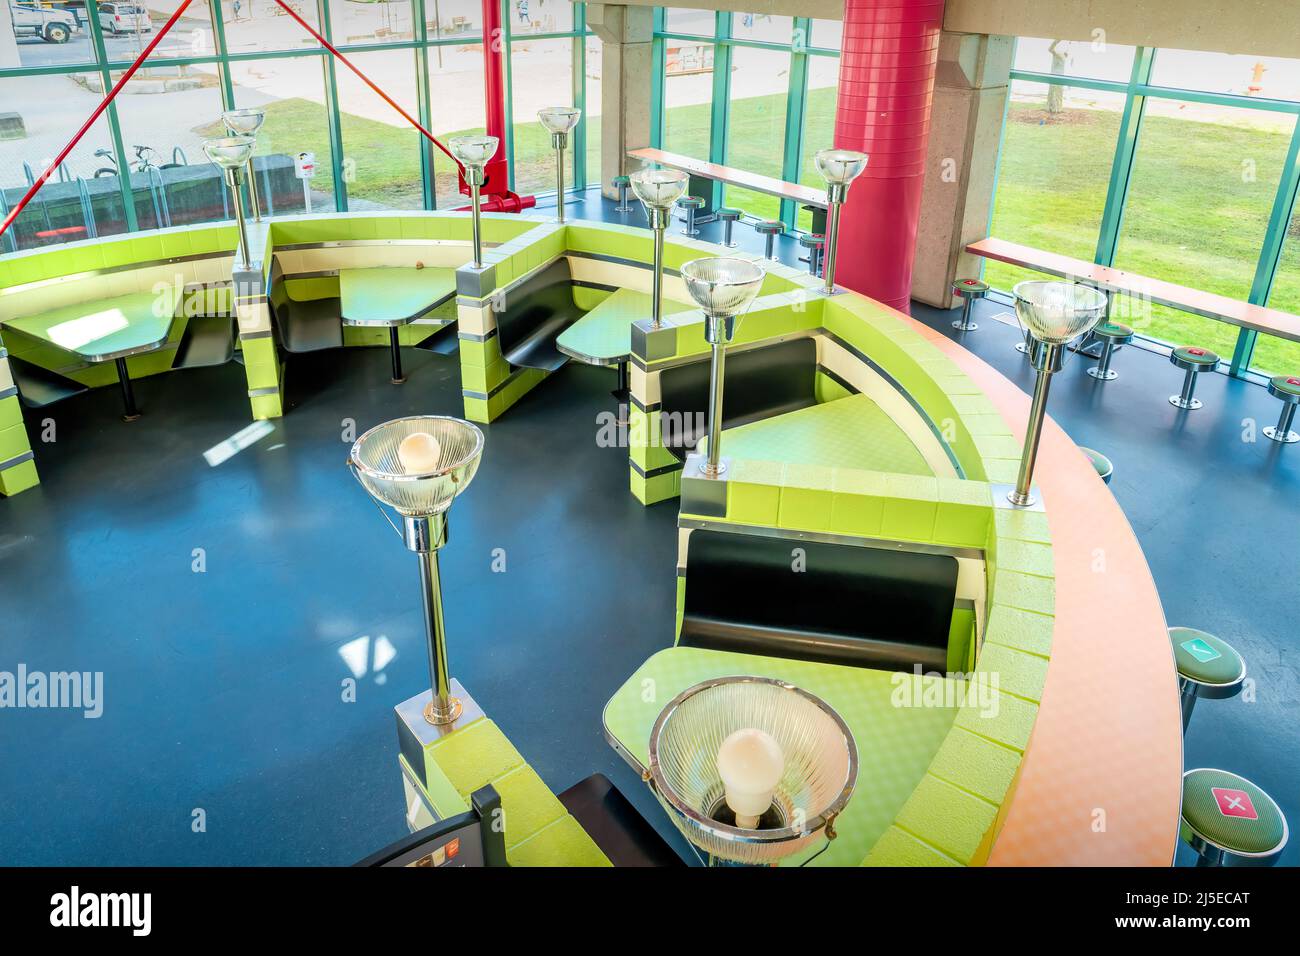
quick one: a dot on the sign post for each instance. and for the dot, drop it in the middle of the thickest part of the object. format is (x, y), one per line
(304, 167)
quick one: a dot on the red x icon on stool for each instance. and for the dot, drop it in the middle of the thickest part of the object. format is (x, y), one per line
(1234, 803)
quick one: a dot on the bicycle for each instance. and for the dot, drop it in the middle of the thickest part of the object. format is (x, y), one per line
(143, 160)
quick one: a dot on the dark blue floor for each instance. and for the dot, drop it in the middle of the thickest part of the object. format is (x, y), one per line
(224, 689)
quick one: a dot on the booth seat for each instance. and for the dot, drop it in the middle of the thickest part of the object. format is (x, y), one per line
(45, 292)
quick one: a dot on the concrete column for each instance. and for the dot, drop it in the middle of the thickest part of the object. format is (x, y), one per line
(626, 34)
(970, 97)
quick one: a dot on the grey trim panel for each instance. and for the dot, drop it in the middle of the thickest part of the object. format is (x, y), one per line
(656, 472)
(17, 459)
(261, 392)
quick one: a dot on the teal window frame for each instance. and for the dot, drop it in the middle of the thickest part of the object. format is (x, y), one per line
(417, 48)
(1135, 91)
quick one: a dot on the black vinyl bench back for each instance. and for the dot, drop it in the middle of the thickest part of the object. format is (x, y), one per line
(760, 383)
(860, 606)
(532, 316)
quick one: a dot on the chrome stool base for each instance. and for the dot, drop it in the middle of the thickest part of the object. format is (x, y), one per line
(961, 326)
(1287, 438)
(1190, 404)
(1103, 375)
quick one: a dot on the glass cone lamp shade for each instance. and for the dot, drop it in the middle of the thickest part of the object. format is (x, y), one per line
(816, 780)
(244, 122)
(659, 188)
(473, 151)
(723, 287)
(423, 486)
(229, 152)
(1055, 312)
(839, 167)
(559, 119)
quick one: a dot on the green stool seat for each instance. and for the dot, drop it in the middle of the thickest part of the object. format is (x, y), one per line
(769, 228)
(1207, 667)
(1110, 334)
(622, 180)
(1100, 462)
(815, 243)
(1193, 361)
(691, 204)
(729, 219)
(968, 290)
(1287, 388)
(1227, 819)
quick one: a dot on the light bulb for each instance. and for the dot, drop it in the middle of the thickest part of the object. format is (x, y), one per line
(419, 453)
(750, 763)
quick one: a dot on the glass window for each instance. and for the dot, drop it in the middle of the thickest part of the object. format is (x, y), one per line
(458, 109)
(381, 21)
(818, 123)
(1265, 76)
(381, 150)
(1273, 355)
(592, 116)
(540, 16)
(292, 91)
(1053, 173)
(164, 122)
(541, 75)
(827, 34)
(688, 93)
(191, 36)
(762, 26)
(260, 26)
(1096, 60)
(1199, 200)
(760, 82)
(681, 20)
(34, 35)
(87, 181)
(453, 18)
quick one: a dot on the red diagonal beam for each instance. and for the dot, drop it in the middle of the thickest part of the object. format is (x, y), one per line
(103, 105)
(366, 80)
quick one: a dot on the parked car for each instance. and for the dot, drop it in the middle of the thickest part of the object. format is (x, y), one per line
(118, 18)
(52, 26)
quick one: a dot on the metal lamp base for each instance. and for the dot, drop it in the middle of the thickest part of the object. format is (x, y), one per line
(1026, 500)
(439, 717)
(1284, 438)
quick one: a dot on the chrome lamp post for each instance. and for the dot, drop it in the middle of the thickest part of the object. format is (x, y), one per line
(247, 123)
(1053, 313)
(232, 154)
(658, 190)
(723, 288)
(473, 152)
(558, 120)
(418, 466)
(839, 167)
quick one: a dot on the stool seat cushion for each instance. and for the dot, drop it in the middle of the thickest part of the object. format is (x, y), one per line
(726, 212)
(1114, 331)
(970, 288)
(1231, 812)
(811, 240)
(1099, 461)
(1286, 387)
(766, 226)
(1188, 356)
(691, 202)
(622, 180)
(1204, 658)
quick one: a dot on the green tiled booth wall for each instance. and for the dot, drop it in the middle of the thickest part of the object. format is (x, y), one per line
(497, 227)
(93, 254)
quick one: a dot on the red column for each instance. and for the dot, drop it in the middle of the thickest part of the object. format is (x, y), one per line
(887, 64)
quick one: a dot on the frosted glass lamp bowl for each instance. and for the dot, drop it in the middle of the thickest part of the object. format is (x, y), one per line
(839, 167)
(375, 462)
(1055, 312)
(821, 767)
(245, 122)
(229, 152)
(659, 188)
(722, 286)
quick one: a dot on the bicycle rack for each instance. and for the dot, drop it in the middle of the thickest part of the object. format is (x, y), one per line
(162, 215)
(178, 157)
(267, 196)
(31, 181)
(87, 209)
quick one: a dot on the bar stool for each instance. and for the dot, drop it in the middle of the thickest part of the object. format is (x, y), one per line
(771, 228)
(968, 290)
(1111, 335)
(1228, 821)
(621, 183)
(814, 243)
(1193, 361)
(1100, 463)
(1207, 667)
(690, 204)
(1287, 388)
(728, 217)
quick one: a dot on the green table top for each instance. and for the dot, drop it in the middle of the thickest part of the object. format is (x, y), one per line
(604, 335)
(392, 296)
(895, 743)
(106, 329)
(850, 432)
